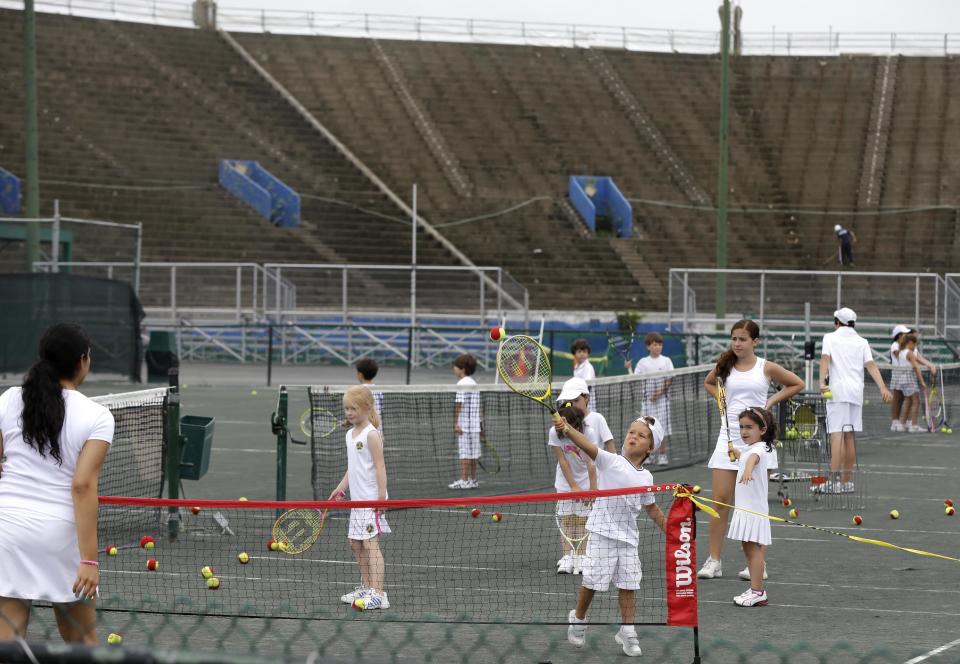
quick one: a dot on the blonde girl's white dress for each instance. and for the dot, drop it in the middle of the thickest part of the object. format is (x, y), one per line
(744, 526)
(365, 522)
(39, 553)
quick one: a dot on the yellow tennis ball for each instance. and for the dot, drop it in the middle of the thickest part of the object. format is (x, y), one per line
(360, 604)
(114, 639)
(894, 514)
(213, 583)
(282, 546)
(148, 546)
(274, 546)
(242, 498)
(828, 394)
(243, 557)
(696, 488)
(112, 551)
(253, 392)
(206, 572)
(794, 513)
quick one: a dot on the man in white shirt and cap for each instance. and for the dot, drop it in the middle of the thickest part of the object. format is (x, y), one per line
(844, 357)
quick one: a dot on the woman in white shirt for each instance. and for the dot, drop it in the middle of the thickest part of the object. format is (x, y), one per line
(747, 379)
(53, 441)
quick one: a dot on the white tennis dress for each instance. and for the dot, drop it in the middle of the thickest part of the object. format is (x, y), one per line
(39, 553)
(745, 389)
(744, 526)
(365, 523)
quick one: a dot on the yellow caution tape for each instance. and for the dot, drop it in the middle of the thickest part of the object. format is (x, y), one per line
(683, 492)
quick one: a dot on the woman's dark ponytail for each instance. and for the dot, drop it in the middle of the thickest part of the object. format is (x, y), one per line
(60, 351)
(728, 358)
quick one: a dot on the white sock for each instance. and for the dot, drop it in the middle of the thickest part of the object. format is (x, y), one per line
(628, 630)
(578, 621)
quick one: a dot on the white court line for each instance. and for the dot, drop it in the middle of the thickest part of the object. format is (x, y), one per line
(935, 651)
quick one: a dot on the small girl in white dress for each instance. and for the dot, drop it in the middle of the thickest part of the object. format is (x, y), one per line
(758, 430)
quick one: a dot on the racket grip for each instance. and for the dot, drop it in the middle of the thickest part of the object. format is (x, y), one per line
(557, 419)
(730, 452)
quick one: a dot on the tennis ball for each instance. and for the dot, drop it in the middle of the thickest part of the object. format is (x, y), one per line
(195, 510)
(184, 386)
(857, 519)
(787, 502)
(475, 512)
(213, 583)
(497, 333)
(112, 550)
(144, 540)
(152, 565)
(948, 502)
(894, 514)
(949, 429)
(866, 402)
(794, 513)
(696, 488)
(253, 392)
(243, 498)
(282, 546)
(496, 517)
(114, 639)
(359, 604)
(243, 557)
(149, 545)
(950, 511)
(206, 572)
(828, 394)
(271, 546)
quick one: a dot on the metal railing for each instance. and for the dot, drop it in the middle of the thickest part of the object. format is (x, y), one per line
(432, 28)
(775, 298)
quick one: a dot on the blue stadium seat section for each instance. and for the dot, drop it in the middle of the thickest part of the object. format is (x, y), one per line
(9, 193)
(598, 197)
(261, 190)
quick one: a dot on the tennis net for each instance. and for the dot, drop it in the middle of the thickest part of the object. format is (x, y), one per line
(421, 446)
(492, 560)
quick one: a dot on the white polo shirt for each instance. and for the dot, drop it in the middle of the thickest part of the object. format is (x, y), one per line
(39, 483)
(849, 354)
(616, 516)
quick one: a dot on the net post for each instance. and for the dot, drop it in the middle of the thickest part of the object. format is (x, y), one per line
(280, 430)
(696, 645)
(173, 452)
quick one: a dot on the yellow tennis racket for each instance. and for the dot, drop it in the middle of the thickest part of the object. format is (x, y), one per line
(722, 405)
(524, 366)
(298, 530)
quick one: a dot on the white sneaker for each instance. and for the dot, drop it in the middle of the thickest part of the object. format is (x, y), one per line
(896, 426)
(712, 569)
(830, 487)
(565, 565)
(662, 460)
(916, 429)
(745, 573)
(359, 591)
(458, 484)
(847, 487)
(577, 631)
(626, 636)
(472, 484)
(751, 598)
(376, 600)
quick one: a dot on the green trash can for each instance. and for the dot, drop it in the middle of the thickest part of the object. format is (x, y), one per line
(161, 356)
(196, 431)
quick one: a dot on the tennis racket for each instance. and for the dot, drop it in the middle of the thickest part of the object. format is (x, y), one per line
(299, 529)
(622, 344)
(805, 421)
(944, 423)
(319, 422)
(573, 529)
(722, 406)
(524, 366)
(489, 460)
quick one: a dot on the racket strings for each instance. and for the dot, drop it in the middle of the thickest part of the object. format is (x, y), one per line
(525, 367)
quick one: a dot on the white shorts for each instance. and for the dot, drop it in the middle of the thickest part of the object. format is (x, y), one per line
(469, 444)
(844, 416)
(366, 523)
(39, 555)
(611, 561)
(573, 508)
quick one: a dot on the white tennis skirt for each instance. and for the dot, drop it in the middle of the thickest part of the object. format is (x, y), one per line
(39, 556)
(746, 527)
(366, 523)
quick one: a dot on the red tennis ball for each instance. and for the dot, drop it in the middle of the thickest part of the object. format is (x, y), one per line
(496, 517)
(152, 565)
(857, 519)
(948, 502)
(195, 510)
(497, 333)
(787, 502)
(475, 512)
(950, 511)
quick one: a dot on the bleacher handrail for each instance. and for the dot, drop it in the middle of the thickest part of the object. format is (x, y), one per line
(434, 28)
